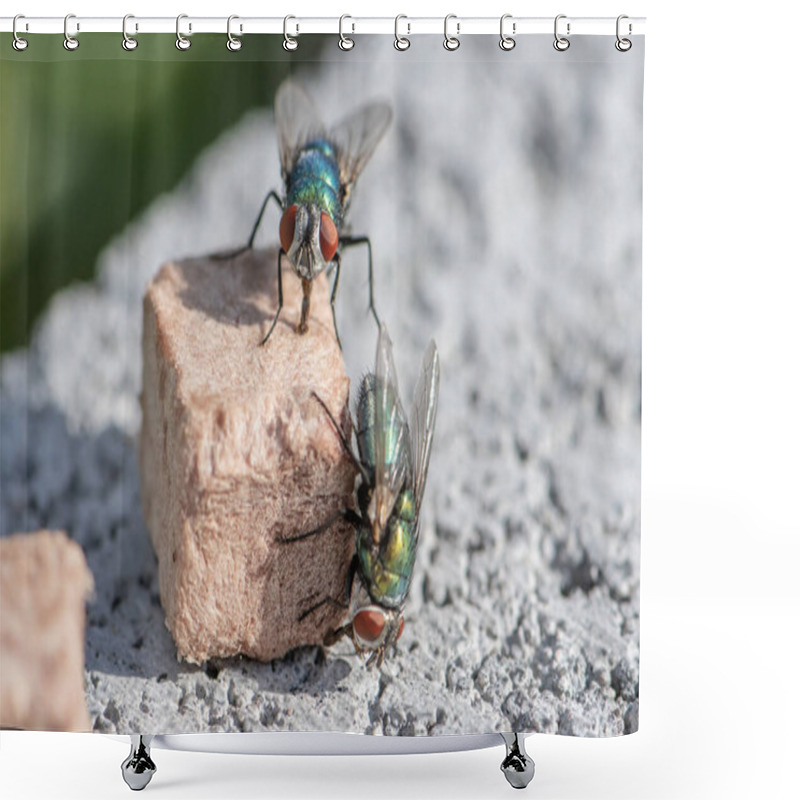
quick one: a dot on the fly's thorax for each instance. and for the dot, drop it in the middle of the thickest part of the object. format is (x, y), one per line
(315, 180)
(322, 146)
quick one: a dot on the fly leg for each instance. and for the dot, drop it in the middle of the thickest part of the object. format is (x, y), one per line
(331, 637)
(353, 458)
(337, 260)
(273, 194)
(302, 326)
(280, 301)
(249, 246)
(347, 514)
(347, 241)
(335, 635)
(324, 602)
(353, 518)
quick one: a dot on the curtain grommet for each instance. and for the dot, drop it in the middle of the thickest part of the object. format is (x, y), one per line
(181, 42)
(561, 43)
(18, 43)
(623, 44)
(451, 43)
(345, 42)
(507, 42)
(234, 43)
(401, 43)
(290, 43)
(70, 42)
(129, 43)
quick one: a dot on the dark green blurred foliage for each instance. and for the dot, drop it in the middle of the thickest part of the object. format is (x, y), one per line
(89, 138)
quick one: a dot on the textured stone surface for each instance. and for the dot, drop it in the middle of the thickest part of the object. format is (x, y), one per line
(235, 454)
(518, 246)
(44, 585)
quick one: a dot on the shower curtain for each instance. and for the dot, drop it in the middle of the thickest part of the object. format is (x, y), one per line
(192, 535)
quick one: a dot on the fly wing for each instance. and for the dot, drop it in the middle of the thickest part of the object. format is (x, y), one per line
(356, 137)
(423, 420)
(297, 120)
(392, 446)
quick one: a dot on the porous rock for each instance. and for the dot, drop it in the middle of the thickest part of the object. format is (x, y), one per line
(44, 583)
(237, 454)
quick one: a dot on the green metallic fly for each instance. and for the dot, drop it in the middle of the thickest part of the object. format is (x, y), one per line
(393, 463)
(319, 166)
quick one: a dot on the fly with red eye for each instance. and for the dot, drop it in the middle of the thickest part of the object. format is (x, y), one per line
(286, 229)
(328, 237)
(392, 462)
(319, 166)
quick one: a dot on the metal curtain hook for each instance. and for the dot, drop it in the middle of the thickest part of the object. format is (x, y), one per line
(561, 43)
(623, 45)
(400, 42)
(128, 42)
(289, 43)
(451, 42)
(234, 43)
(17, 42)
(507, 42)
(345, 42)
(70, 42)
(182, 43)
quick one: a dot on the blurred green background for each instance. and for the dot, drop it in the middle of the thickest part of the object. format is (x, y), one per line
(89, 138)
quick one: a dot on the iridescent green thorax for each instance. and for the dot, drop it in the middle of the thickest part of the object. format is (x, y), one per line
(395, 435)
(315, 180)
(387, 568)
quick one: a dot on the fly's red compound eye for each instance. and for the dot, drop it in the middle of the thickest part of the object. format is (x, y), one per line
(328, 237)
(368, 624)
(400, 628)
(287, 227)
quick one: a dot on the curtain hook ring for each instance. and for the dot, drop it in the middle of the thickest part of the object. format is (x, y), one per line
(18, 43)
(623, 45)
(70, 42)
(128, 42)
(507, 42)
(234, 43)
(289, 43)
(451, 43)
(345, 42)
(401, 42)
(182, 43)
(561, 43)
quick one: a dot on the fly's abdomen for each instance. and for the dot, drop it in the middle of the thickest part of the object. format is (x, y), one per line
(315, 180)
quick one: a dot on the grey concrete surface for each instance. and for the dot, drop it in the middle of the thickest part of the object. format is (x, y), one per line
(504, 208)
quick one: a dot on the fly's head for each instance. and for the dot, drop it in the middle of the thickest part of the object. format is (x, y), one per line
(374, 629)
(309, 238)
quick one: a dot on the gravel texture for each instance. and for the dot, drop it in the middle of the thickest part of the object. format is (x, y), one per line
(504, 208)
